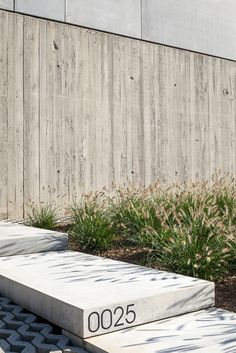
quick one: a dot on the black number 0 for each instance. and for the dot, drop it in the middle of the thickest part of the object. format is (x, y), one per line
(89, 322)
(110, 319)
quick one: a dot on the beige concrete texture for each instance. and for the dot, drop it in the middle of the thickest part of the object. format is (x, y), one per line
(82, 110)
(89, 295)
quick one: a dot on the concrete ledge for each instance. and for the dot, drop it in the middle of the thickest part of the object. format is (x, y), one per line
(212, 330)
(88, 295)
(18, 239)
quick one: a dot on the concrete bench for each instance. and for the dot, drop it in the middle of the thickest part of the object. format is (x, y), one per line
(89, 295)
(19, 239)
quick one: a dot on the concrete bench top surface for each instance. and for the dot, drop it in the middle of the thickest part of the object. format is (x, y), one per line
(20, 239)
(208, 331)
(89, 295)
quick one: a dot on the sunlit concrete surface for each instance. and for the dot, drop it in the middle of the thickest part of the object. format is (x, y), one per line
(89, 295)
(19, 239)
(208, 331)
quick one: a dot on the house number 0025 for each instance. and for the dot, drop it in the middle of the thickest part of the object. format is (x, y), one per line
(111, 318)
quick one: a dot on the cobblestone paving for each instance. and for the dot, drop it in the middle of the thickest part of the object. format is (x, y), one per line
(23, 332)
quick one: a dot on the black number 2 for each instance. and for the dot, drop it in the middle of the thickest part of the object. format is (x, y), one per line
(119, 308)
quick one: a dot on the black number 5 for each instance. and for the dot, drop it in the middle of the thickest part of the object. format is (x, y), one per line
(131, 314)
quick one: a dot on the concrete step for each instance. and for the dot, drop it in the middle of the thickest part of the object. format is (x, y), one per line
(19, 239)
(89, 295)
(207, 331)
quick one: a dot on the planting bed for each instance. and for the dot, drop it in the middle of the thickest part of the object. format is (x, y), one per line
(226, 293)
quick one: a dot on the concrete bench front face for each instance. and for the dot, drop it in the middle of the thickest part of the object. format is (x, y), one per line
(89, 296)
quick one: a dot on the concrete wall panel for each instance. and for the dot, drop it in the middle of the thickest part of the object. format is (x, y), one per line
(6, 5)
(82, 109)
(207, 26)
(123, 16)
(54, 9)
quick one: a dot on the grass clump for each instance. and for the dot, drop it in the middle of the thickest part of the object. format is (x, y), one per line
(91, 228)
(189, 228)
(132, 211)
(201, 250)
(42, 216)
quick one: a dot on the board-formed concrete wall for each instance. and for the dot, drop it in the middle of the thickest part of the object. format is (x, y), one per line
(81, 109)
(205, 26)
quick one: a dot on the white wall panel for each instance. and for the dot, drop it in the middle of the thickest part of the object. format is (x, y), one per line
(54, 9)
(6, 4)
(207, 26)
(123, 16)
